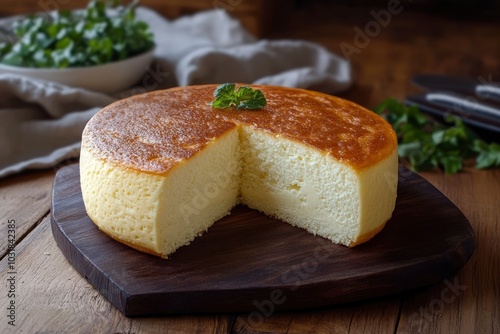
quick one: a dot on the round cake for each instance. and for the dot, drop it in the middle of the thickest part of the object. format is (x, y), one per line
(158, 169)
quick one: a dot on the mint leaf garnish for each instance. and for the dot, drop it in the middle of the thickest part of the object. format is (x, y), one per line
(245, 97)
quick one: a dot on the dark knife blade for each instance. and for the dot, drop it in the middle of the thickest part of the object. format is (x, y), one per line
(480, 88)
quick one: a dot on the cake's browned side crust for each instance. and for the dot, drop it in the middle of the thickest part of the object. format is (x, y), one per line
(366, 237)
(153, 132)
(134, 246)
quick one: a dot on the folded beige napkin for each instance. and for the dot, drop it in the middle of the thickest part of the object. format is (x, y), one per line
(41, 122)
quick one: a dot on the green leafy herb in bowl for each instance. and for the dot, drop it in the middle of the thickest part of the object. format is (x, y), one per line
(427, 144)
(99, 35)
(90, 37)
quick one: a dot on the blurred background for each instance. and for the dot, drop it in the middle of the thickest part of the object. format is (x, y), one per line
(453, 37)
(265, 17)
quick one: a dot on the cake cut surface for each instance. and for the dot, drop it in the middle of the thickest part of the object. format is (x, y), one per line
(158, 169)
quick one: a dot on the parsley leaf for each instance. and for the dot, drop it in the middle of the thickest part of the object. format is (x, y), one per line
(487, 155)
(245, 97)
(427, 144)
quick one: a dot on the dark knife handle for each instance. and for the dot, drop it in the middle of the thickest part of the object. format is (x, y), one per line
(463, 105)
(489, 91)
(487, 128)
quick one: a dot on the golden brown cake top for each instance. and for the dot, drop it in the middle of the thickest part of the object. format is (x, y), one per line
(153, 132)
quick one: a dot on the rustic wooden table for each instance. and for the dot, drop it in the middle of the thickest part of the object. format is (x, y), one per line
(51, 297)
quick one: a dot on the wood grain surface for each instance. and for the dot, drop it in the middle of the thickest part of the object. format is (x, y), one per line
(52, 297)
(247, 260)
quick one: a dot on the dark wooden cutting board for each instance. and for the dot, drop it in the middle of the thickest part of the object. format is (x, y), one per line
(248, 262)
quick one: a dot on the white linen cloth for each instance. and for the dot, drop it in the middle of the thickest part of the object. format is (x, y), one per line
(41, 122)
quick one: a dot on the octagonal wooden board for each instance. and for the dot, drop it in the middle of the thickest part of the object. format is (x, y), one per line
(248, 262)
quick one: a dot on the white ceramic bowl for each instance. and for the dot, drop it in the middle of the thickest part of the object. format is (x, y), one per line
(107, 78)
